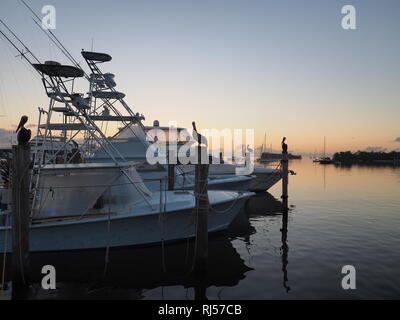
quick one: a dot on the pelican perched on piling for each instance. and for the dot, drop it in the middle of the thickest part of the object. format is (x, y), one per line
(198, 137)
(284, 145)
(24, 135)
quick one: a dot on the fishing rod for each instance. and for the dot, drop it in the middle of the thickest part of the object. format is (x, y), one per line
(53, 37)
(61, 49)
(36, 19)
(60, 84)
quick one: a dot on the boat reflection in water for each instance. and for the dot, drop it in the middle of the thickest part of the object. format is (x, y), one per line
(131, 271)
(263, 204)
(145, 273)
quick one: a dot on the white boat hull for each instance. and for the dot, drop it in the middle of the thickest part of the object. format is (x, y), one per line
(239, 183)
(215, 182)
(265, 178)
(264, 181)
(128, 229)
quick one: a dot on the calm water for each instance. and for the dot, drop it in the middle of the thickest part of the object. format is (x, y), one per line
(338, 216)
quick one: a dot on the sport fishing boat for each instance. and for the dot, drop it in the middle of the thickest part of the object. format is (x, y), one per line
(85, 205)
(222, 174)
(96, 205)
(132, 140)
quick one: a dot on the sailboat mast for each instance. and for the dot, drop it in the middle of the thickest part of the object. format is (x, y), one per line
(265, 141)
(233, 151)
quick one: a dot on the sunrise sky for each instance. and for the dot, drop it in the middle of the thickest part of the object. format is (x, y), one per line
(284, 67)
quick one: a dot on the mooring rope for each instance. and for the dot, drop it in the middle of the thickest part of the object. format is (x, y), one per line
(19, 225)
(107, 255)
(161, 218)
(4, 255)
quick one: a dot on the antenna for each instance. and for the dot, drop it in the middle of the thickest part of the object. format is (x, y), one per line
(265, 141)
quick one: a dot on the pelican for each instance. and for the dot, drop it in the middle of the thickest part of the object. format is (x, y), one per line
(24, 135)
(198, 137)
(284, 145)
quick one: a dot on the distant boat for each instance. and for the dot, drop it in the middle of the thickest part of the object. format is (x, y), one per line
(269, 157)
(324, 159)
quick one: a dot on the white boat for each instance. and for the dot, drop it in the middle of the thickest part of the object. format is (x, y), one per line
(95, 205)
(131, 143)
(78, 205)
(183, 181)
(87, 206)
(264, 178)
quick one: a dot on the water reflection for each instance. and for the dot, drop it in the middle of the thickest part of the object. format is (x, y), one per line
(354, 220)
(349, 165)
(264, 205)
(80, 275)
(285, 250)
(132, 272)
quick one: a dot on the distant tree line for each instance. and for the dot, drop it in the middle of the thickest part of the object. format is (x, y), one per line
(366, 156)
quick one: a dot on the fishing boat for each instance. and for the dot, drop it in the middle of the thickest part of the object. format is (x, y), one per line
(96, 205)
(272, 157)
(132, 144)
(77, 205)
(132, 140)
(221, 175)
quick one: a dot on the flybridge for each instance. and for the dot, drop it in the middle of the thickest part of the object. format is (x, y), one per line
(96, 56)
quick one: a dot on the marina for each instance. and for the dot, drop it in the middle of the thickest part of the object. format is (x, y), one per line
(104, 192)
(319, 237)
(140, 165)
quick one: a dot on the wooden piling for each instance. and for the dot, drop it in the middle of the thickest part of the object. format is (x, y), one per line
(285, 211)
(21, 215)
(200, 289)
(285, 250)
(201, 210)
(171, 169)
(285, 176)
